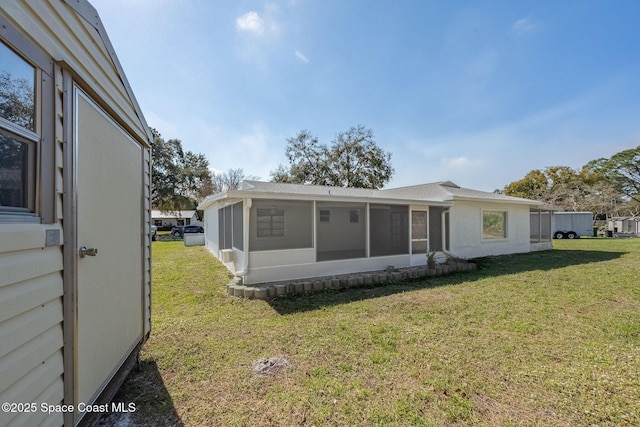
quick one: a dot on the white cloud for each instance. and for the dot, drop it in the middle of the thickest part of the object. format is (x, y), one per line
(461, 162)
(302, 57)
(524, 25)
(250, 22)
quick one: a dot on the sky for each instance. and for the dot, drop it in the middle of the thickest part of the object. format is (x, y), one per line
(474, 92)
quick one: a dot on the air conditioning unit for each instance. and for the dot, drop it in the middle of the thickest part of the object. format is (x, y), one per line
(227, 255)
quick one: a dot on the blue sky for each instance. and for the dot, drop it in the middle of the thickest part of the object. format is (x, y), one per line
(476, 92)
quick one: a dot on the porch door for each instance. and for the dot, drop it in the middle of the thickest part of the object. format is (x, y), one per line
(419, 236)
(109, 305)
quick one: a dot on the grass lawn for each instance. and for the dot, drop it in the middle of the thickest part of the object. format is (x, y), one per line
(549, 338)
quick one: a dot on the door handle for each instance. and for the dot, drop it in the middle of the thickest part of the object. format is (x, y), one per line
(84, 251)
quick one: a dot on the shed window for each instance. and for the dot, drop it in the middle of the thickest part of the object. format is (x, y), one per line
(17, 133)
(270, 222)
(494, 225)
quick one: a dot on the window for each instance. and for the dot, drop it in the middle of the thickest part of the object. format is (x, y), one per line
(325, 215)
(18, 137)
(354, 216)
(270, 222)
(494, 225)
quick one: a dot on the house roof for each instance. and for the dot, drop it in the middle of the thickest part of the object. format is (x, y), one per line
(437, 194)
(157, 214)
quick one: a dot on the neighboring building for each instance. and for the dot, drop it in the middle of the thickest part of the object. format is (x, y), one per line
(169, 219)
(74, 214)
(268, 232)
(624, 225)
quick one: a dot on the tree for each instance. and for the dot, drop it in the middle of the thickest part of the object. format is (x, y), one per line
(17, 100)
(308, 161)
(357, 161)
(353, 160)
(179, 178)
(230, 180)
(598, 187)
(622, 170)
(534, 185)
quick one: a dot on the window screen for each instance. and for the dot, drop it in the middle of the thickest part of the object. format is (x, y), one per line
(238, 235)
(389, 230)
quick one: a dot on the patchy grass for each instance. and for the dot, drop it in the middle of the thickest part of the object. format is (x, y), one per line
(547, 338)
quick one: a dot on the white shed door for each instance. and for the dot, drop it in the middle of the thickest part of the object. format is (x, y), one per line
(109, 211)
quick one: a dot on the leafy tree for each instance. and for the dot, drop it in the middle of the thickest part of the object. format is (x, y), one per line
(622, 170)
(603, 186)
(534, 185)
(179, 178)
(357, 161)
(308, 161)
(353, 160)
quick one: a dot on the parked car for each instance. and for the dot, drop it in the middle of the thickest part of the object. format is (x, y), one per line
(180, 231)
(154, 232)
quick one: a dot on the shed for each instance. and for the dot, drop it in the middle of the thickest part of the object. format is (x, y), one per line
(266, 232)
(74, 294)
(619, 225)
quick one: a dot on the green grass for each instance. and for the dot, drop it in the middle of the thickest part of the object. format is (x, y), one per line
(550, 339)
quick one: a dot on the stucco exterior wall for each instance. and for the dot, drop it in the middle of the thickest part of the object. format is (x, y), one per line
(466, 239)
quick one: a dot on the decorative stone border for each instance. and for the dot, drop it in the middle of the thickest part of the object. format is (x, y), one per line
(266, 291)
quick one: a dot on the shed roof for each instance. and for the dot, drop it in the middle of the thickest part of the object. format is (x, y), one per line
(437, 193)
(71, 33)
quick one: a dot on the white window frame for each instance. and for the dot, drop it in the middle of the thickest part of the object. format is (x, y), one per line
(505, 234)
(425, 239)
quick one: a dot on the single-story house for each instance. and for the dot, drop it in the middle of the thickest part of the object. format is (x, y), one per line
(624, 225)
(75, 157)
(168, 219)
(267, 232)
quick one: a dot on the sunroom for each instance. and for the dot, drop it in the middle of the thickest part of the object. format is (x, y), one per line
(266, 239)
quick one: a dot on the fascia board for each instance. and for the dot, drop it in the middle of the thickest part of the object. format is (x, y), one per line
(327, 198)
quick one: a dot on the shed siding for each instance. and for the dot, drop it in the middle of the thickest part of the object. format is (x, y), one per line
(31, 283)
(147, 241)
(30, 321)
